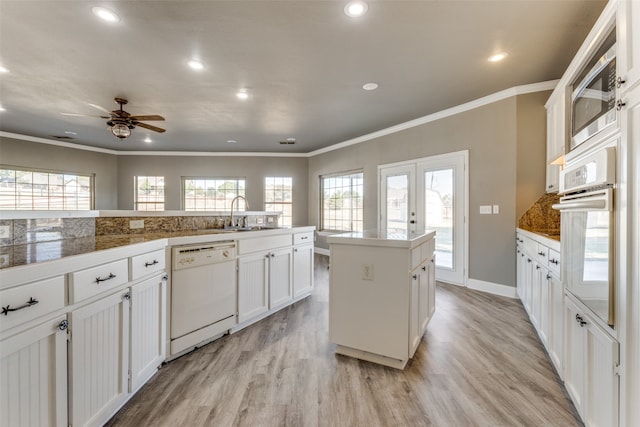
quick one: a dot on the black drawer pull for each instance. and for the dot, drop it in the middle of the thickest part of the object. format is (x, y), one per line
(32, 301)
(99, 279)
(149, 264)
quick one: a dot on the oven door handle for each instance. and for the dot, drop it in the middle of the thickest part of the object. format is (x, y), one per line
(581, 205)
(600, 200)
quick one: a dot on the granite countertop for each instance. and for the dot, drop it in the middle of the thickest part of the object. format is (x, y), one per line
(549, 234)
(30, 253)
(377, 238)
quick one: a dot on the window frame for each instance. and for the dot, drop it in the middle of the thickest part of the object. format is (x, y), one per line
(281, 222)
(240, 206)
(90, 176)
(352, 221)
(137, 203)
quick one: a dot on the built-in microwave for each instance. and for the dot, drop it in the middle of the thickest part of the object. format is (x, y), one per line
(593, 100)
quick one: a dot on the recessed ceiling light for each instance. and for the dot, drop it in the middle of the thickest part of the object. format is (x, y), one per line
(69, 132)
(148, 140)
(356, 8)
(196, 64)
(498, 57)
(2, 108)
(105, 14)
(231, 141)
(3, 69)
(370, 86)
(242, 94)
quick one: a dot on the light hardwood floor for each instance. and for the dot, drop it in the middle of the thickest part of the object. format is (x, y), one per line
(479, 364)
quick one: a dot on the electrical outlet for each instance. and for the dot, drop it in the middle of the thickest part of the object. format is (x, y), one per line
(367, 272)
(136, 223)
(5, 232)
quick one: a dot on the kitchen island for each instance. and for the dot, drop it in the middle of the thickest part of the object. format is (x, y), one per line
(381, 294)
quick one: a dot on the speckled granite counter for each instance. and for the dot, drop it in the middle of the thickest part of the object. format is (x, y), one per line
(549, 234)
(26, 254)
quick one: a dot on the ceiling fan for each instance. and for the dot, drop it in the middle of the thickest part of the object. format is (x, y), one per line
(121, 123)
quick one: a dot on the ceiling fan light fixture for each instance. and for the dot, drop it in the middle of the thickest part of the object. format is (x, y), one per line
(105, 14)
(498, 57)
(356, 8)
(120, 131)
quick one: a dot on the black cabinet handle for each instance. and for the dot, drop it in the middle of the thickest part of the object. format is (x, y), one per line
(542, 254)
(149, 264)
(537, 267)
(32, 301)
(415, 277)
(548, 276)
(580, 320)
(109, 277)
(424, 268)
(620, 104)
(620, 81)
(63, 325)
(127, 296)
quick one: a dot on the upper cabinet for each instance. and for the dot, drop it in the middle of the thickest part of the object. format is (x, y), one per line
(628, 44)
(556, 125)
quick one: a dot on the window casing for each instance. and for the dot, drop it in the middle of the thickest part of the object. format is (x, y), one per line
(212, 194)
(278, 197)
(41, 190)
(342, 202)
(149, 193)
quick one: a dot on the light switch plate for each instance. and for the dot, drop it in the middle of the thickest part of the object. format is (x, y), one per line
(496, 209)
(485, 210)
(367, 271)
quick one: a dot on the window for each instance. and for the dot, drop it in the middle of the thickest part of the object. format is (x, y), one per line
(278, 192)
(342, 202)
(149, 193)
(44, 190)
(212, 194)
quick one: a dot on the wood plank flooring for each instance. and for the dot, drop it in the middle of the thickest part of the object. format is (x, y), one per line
(480, 364)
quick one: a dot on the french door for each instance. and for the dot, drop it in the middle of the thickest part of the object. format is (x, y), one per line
(429, 194)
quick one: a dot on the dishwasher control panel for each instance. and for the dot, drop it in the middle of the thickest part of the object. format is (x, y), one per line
(203, 254)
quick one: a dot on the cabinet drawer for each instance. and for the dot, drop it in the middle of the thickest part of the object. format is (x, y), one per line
(554, 262)
(146, 264)
(427, 249)
(93, 281)
(306, 237)
(263, 243)
(542, 253)
(49, 294)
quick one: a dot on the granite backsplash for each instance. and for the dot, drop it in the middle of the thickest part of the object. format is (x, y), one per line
(541, 217)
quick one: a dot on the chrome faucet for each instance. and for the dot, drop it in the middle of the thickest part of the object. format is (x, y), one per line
(232, 202)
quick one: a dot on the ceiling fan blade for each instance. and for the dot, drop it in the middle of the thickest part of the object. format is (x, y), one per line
(84, 115)
(101, 108)
(151, 127)
(147, 118)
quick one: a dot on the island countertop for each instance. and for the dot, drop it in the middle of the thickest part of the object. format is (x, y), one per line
(378, 238)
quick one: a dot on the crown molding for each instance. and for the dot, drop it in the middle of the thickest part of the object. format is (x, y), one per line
(480, 102)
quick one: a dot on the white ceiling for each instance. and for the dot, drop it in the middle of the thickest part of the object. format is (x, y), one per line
(304, 63)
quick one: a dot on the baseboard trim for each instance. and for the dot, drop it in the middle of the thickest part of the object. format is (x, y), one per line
(492, 288)
(321, 251)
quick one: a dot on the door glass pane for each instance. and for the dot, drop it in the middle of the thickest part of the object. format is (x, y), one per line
(439, 205)
(397, 204)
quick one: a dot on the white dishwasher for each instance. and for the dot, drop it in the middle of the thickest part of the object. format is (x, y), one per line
(203, 293)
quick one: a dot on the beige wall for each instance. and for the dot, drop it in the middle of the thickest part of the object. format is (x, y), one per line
(253, 169)
(493, 137)
(20, 153)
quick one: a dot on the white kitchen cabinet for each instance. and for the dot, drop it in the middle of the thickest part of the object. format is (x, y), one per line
(280, 277)
(553, 178)
(628, 43)
(148, 329)
(556, 322)
(99, 359)
(33, 376)
(253, 285)
(380, 297)
(591, 363)
(556, 124)
(302, 270)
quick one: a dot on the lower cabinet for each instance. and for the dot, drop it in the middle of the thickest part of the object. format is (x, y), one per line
(280, 280)
(253, 286)
(148, 329)
(423, 302)
(590, 364)
(302, 270)
(33, 376)
(556, 322)
(99, 359)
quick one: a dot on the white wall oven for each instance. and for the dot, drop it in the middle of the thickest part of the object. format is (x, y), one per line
(587, 231)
